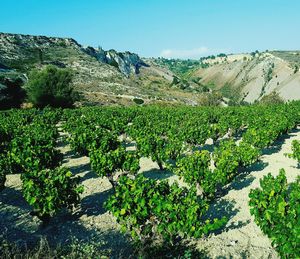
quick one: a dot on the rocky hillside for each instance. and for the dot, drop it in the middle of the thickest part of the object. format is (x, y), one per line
(246, 77)
(25, 51)
(103, 77)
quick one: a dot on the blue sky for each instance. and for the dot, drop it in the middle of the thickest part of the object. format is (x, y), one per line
(170, 28)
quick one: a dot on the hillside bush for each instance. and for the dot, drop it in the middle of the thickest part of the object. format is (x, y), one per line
(270, 99)
(51, 86)
(211, 99)
(138, 101)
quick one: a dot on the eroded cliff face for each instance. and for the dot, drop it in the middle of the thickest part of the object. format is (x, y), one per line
(250, 77)
(127, 62)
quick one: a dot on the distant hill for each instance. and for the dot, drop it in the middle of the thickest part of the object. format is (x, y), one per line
(246, 77)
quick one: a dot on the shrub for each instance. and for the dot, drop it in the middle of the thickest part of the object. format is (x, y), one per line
(272, 98)
(175, 81)
(248, 154)
(152, 210)
(48, 191)
(159, 149)
(194, 168)
(275, 207)
(269, 74)
(107, 164)
(34, 147)
(295, 151)
(226, 159)
(138, 101)
(211, 99)
(51, 87)
(83, 139)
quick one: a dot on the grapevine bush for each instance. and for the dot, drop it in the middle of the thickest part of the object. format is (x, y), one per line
(83, 139)
(295, 150)
(50, 190)
(28, 146)
(153, 210)
(275, 207)
(159, 149)
(107, 164)
(194, 168)
(229, 156)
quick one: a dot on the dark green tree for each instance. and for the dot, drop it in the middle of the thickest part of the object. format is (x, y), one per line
(51, 86)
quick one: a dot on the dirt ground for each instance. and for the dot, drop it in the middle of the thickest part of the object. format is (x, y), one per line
(241, 237)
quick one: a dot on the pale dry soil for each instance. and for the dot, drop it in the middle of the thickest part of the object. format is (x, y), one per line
(240, 238)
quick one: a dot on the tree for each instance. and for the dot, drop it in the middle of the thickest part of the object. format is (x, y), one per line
(51, 86)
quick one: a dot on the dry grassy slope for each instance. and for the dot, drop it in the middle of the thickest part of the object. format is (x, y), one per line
(253, 77)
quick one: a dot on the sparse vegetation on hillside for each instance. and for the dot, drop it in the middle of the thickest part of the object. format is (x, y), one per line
(229, 92)
(179, 67)
(102, 76)
(272, 98)
(211, 99)
(269, 73)
(291, 57)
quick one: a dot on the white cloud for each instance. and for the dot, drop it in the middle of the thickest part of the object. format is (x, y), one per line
(187, 53)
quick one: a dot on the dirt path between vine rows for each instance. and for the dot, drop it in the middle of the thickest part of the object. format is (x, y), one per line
(241, 238)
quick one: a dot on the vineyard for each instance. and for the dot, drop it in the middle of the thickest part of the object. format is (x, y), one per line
(198, 153)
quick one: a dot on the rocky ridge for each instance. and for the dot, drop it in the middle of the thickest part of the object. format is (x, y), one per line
(16, 47)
